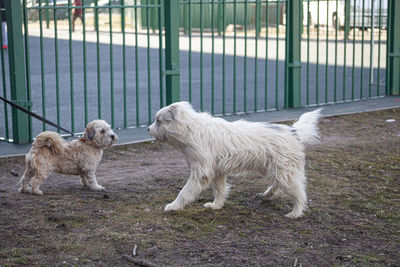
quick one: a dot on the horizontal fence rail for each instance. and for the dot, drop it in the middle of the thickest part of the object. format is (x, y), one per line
(111, 60)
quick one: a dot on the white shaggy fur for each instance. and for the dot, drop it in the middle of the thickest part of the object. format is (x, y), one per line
(50, 153)
(215, 148)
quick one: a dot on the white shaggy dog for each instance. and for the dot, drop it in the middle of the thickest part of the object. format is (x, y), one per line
(51, 153)
(215, 148)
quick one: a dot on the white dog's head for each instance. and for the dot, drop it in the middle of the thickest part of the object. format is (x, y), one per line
(172, 123)
(98, 133)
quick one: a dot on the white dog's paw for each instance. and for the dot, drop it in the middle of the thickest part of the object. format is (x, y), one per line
(97, 188)
(294, 215)
(213, 206)
(172, 206)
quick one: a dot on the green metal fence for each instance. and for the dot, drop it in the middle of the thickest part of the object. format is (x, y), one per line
(128, 58)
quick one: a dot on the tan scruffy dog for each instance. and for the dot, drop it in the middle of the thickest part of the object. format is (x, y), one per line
(51, 153)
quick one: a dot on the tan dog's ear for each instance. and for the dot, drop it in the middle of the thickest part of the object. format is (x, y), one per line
(90, 132)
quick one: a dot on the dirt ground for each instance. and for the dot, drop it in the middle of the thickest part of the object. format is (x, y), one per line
(354, 199)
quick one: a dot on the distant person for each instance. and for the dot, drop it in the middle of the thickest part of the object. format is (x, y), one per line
(77, 13)
(4, 24)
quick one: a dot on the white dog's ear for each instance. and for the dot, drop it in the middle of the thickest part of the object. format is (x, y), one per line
(171, 113)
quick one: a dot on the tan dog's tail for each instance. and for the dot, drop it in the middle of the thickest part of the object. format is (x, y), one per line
(51, 140)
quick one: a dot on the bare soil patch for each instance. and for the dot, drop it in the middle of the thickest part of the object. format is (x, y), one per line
(354, 215)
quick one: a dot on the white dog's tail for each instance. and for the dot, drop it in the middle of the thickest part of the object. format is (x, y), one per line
(51, 140)
(306, 127)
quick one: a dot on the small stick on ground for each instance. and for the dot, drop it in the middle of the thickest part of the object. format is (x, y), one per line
(134, 250)
(138, 262)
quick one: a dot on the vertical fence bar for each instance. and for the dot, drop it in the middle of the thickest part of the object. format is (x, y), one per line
(308, 53)
(234, 55)
(190, 51)
(256, 56)
(17, 72)
(172, 50)
(293, 45)
(96, 19)
(27, 67)
(149, 117)
(71, 67)
(266, 56)
(336, 40)
(56, 64)
(42, 73)
(354, 50)
(326, 51)
(201, 58)
(371, 50)
(245, 59)
(277, 56)
(160, 54)
(393, 84)
(346, 36)
(362, 51)
(85, 93)
(223, 58)
(47, 11)
(3, 75)
(137, 68)
(212, 59)
(379, 50)
(124, 62)
(111, 64)
(317, 71)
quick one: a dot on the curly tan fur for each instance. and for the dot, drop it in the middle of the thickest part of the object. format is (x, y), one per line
(50, 153)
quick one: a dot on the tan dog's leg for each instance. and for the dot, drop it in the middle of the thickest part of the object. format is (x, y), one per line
(220, 189)
(84, 181)
(25, 179)
(37, 180)
(92, 182)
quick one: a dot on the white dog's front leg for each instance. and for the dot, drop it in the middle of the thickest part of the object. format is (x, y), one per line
(92, 182)
(189, 192)
(221, 190)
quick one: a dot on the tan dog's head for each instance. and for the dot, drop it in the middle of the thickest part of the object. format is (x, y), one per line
(98, 133)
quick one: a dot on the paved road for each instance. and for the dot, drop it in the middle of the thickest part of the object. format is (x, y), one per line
(274, 67)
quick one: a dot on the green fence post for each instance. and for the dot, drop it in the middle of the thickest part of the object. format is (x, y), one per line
(346, 19)
(172, 71)
(220, 19)
(393, 68)
(47, 14)
(16, 53)
(293, 53)
(258, 18)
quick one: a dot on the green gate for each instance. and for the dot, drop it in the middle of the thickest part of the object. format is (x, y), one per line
(128, 58)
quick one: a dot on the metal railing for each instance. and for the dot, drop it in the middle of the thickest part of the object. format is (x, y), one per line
(128, 58)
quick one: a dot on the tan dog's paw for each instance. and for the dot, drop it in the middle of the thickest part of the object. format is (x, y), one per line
(37, 192)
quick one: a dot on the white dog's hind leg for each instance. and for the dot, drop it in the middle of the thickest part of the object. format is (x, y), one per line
(92, 182)
(189, 192)
(298, 193)
(221, 190)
